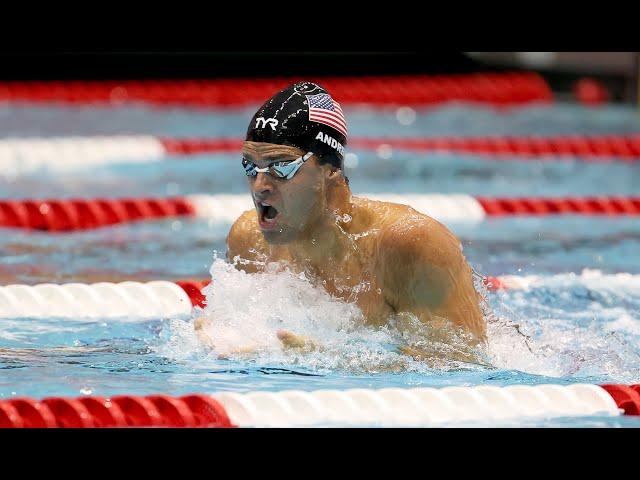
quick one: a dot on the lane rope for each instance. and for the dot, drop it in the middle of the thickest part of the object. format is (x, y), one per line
(499, 89)
(352, 407)
(27, 155)
(82, 214)
(135, 301)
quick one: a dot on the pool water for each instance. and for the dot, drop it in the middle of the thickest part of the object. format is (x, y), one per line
(578, 322)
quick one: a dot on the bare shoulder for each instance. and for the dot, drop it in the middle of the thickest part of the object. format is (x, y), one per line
(418, 257)
(409, 233)
(245, 239)
(424, 270)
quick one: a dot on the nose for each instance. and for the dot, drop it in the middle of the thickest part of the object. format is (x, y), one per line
(262, 185)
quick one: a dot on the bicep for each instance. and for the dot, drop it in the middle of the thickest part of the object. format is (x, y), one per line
(425, 266)
(434, 281)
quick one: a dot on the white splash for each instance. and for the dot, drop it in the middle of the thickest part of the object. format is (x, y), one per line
(570, 325)
(527, 333)
(245, 312)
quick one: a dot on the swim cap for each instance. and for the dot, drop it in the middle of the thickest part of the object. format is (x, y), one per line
(304, 116)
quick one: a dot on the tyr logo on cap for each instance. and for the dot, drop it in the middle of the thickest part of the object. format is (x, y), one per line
(272, 122)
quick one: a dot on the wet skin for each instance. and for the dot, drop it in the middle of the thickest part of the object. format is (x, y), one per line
(387, 258)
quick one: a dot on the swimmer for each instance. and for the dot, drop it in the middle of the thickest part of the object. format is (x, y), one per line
(387, 258)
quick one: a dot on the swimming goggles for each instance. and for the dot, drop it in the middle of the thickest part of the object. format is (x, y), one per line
(276, 169)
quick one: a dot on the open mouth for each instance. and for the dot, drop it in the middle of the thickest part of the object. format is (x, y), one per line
(267, 213)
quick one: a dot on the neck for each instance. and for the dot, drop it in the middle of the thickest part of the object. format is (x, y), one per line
(324, 244)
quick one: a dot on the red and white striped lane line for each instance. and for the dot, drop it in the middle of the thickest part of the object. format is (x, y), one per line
(138, 301)
(500, 89)
(80, 214)
(25, 155)
(354, 407)
(600, 149)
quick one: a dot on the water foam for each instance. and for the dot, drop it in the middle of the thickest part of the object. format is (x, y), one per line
(246, 311)
(527, 332)
(583, 325)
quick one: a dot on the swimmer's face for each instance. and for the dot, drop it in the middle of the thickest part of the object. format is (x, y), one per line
(287, 209)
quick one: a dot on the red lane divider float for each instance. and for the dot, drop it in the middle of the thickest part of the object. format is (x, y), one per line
(119, 411)
(385, 406)
(192, 146)
(193, 288)
(81, 214)
(626, 397)
(613, 206)
(598, 148)
(493, 88)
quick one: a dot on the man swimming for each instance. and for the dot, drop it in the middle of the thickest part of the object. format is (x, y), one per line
(387, 258)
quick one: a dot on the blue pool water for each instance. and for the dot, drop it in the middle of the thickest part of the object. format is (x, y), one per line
(579, 323)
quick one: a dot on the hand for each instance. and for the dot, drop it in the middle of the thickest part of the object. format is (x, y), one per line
(292, 340)
(201, 324)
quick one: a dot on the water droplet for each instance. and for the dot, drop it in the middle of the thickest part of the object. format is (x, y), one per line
(384, 151)
(406, 115)
(351, 160)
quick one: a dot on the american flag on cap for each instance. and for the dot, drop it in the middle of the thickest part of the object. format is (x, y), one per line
(324, 109)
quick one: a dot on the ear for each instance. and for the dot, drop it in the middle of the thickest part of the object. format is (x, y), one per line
(332, 174)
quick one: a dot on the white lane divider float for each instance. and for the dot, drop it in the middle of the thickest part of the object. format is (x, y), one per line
(415, 406)
(226, 208)
(162, 299)
(127, 300)
(26, 155)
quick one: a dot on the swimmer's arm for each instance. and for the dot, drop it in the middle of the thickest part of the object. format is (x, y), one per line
(289, 339)
(200, 325)
(245, 243)
(425, 273)
(292, 340)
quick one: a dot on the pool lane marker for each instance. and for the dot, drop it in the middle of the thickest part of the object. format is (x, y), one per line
(26, 155)
(591, 149)
(494, 88)
(125, 301)
(118, 411)
(387, 407)
(81, 214)
(132, 301)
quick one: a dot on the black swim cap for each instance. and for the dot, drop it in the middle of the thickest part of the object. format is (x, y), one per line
(304, 116)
